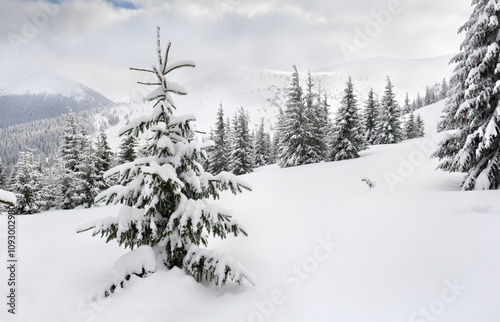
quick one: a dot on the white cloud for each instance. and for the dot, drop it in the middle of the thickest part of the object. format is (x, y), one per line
(96, 42)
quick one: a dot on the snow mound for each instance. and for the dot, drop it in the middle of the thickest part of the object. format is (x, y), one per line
(7, 197)
(141, 260)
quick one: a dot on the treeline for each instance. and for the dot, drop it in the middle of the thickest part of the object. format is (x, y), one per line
(433, 94)
(43, 137)
(74, 179)
(305, 133)
(236, 149)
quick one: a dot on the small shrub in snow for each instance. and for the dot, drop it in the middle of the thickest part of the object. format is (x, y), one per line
(370, 183)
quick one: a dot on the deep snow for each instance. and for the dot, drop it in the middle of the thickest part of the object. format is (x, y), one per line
(321, 244)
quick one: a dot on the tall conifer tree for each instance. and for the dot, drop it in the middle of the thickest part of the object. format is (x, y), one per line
(242, 155)
(389, 125)
(166, 212)
(370, 118)
(293, 149)
(262, 146)
(472, 110)
(219, 158)
(347, 138)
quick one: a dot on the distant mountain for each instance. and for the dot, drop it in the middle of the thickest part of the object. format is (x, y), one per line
(45, 94)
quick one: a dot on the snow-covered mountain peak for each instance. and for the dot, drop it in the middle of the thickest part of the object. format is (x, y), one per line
(45, 81)
(43, 94)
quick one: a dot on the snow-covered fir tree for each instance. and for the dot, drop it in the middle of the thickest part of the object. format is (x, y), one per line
(88, 172)
(347, 138)
(262, 146)
(51, 187)
(325, 122)
(293, 150)
(278, 134)
(410, 127)
(370, 118)
(69, 158)
(242, 154)
(430, 96)
(104, 161)
(316, 121)
(127, 149)
(69, 150)
(166, 213)
(472, 109)
(419, 101)
(26, 184)
(420, 126)
(389, 125)
(443, 94)
(406, 107)
(219, 158)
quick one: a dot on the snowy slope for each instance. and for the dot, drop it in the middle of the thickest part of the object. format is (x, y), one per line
(322, 246)
(406, 73)
(262, 91)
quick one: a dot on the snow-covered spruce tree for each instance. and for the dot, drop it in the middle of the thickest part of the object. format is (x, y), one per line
(219, 156)
(419, 126)
(429, 96)
(88, 185)
(69, 151)
(419, 101)
(127, 149)
(51, 187)
(410, 127)
(324, 120)
(443, 94)
(262, 146)
(472, 109)
(103, 162)
(347, 138)
(293, 148)
(370, 118)
(26, 184)
(278, 134)
(389, 125)
(166, 213)
(406, 107)
(69, 158)
(242, 154)
(315, 139)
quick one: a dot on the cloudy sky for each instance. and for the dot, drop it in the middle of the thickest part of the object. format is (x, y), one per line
(96, 41)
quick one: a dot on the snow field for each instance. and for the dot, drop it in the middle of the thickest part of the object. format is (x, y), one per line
(322, 247)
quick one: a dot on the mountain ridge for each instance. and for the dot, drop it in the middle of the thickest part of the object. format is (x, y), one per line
(44, 94)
